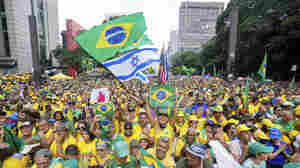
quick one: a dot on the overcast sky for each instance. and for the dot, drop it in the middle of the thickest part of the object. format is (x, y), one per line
(161, 15)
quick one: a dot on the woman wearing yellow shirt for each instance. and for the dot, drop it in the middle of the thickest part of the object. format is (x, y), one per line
(62, 140)
(88, 142)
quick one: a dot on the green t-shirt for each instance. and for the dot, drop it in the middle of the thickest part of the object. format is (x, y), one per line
(292, 165)
(287, 126)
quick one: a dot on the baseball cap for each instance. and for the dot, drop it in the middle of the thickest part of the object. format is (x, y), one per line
(242, 127)
(25, 124)
(193, 118)
(257, 148)
(275, 133)
(197, 149)
(261, 135)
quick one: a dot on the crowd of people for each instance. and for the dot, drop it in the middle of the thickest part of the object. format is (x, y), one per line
(57, 126)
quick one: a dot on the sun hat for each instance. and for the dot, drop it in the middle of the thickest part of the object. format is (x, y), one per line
(193, 118)
(260, 135)
(257, 148)
(242, 127)
(268, 123)
(197, 149)
(275, 133)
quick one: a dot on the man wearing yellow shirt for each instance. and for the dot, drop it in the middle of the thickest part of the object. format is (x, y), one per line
(180, 124)
(161, 152)
(218, 116)
(128, 134)
(45, 133)
(62, 140)
(163, 127)
(143, 127)
(43, 159)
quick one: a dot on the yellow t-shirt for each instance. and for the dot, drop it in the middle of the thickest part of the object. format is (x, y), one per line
(69, 141)
(138, 130)
(223, 123)
(167, 161)
(129, 139)
(13, 162)
(253, 108)
(179, 146)
(86, 148)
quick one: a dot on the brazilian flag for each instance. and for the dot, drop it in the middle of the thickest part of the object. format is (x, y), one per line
(162, 96)
(104, 41)
(105, 109)
(141, 41)
(263, 68)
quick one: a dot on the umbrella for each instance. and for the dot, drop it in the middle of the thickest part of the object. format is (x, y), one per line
(61, 76)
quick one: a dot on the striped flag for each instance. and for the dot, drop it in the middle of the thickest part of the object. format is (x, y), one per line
(163, 69)
(73, 29)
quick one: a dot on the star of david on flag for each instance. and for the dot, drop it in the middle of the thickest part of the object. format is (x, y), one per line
(162, 96)
(131, 64)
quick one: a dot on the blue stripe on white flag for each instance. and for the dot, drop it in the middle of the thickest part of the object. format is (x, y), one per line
(128, 56)
(138, 68)
(132, 71)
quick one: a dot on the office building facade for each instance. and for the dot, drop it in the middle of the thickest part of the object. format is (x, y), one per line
(15, 38)
(197, 22)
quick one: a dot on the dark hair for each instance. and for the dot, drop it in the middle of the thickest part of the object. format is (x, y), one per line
(72, 150)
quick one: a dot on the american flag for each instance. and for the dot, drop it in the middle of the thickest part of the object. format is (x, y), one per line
(163, 68)
(73, 29)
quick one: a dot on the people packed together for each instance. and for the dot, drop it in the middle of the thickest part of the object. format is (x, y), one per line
(214, 123)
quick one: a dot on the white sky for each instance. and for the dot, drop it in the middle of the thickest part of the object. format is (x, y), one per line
(161, 15)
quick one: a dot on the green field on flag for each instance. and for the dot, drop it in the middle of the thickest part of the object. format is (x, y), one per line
(104, 41)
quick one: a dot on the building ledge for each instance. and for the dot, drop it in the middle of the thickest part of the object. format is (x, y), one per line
(7, 62)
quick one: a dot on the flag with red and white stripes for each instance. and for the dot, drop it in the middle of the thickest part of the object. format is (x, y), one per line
(73, 29)
(163, 68)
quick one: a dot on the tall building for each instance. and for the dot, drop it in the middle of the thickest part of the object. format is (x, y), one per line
(15, 36)
(173, 44)
(197, 22)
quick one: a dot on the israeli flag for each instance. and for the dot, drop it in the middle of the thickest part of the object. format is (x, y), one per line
(130, 65)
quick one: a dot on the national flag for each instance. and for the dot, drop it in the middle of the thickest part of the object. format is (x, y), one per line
(246, 95)
(104, 41)
(163, 69)
(105, 109)
(131, 64)
(141, 41)
(203, 72)
(100, 95)
(263, 68)
(162, 96)
(215, 70)
(73, 29)
(292, 84)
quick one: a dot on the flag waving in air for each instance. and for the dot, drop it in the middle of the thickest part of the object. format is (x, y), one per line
(263, 68)
(163, 68)
(104, 41)
(130, 65)
(73, 29)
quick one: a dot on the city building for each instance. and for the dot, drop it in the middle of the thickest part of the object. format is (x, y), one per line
(173, 45)
(197, 21)
(15, 38)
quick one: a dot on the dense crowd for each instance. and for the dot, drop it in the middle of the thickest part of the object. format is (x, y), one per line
(56, 125)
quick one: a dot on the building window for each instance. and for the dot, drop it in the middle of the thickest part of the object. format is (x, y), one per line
(4, 28)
